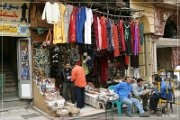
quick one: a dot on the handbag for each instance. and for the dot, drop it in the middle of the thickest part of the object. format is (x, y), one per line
(49, 38)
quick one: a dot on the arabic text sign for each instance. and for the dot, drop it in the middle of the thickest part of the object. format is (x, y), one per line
(9, 29)
(14, 12)
(14, 29)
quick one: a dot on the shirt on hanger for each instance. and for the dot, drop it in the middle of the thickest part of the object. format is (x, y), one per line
(80, 20)
(51, 13)
(122, 35)
(127, 31)
(59, 33)
(116, 42)
(99, 34)
(72, 26)
(110, 36)
(96, 31)
(132, 35)
(103, 32)
(67, 13)
(88, 23)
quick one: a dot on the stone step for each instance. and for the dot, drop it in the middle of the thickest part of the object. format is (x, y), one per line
(9, 90)
(6, 94)
(12, 84)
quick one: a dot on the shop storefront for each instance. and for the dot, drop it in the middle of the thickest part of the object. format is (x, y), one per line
(16, 50)
(166, 40)
(105, 44)
(166, 43)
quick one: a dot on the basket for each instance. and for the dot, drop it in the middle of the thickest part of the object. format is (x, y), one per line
(91, 100)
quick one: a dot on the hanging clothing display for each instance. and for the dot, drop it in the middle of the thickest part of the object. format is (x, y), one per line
(122, 35)
(80, 20)
(51, 13)
(103, 32)
(136, 45)
(126, 60)
(88, 23)
(59, 33)
(96, 31)
(67, 14)
(116, 42)
(132, 35)
(127, 36)
(99, 34)
(141, 29)
(110, 36)
(104, 69)
(72, 26)
(134, 61)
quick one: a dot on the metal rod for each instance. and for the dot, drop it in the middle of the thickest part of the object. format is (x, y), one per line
(108, 14)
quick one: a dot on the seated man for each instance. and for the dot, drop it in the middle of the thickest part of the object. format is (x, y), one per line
(139, 92)
(156, 95)
(124, 90)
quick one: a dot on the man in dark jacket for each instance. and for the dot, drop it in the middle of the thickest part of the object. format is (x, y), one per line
(68, 86)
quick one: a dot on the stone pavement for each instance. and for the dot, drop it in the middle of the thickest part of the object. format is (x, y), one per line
(31, 113)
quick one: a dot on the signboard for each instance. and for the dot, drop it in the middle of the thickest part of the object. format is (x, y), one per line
(14, 30)
(14, 18)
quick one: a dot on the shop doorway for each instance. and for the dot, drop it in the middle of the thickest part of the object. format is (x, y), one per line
(8, 69)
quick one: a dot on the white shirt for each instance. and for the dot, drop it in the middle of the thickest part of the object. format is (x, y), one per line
(51, 13)
(88, 23)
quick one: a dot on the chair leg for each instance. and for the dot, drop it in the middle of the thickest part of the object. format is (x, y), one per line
(119, 107)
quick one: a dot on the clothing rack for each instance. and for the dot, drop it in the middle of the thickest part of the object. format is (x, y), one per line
(112, 15)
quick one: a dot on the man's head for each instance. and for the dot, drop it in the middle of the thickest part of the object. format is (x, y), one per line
(157, 78)
(140, 81)
(128, 79)
(67, 65)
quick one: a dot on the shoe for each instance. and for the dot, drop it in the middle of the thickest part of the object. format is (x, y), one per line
(129, 114)
(145, 114)
(145, 109)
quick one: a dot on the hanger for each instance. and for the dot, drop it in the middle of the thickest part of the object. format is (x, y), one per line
(52, 1)
(91, 5)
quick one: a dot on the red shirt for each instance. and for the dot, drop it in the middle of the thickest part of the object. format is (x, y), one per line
(103, 32)
(116, 42)
(72, 26)
(96, 31)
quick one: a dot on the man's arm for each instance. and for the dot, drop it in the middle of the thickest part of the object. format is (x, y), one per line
(73, 75)
(117, 87)
(134, 90)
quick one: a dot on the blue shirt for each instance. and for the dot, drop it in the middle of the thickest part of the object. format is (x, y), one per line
(123, 89)
(163, 91)
(80, 20)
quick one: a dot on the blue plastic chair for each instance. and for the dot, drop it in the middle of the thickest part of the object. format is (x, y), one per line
(117, 102)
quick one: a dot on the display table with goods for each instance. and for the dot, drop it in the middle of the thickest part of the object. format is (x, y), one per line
(99, 98)
(108, 97)
(49, 100)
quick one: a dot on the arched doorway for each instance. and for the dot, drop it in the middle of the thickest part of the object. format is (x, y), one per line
(170, 30)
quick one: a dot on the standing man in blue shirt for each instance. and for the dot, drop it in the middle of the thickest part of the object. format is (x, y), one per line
(124, 90)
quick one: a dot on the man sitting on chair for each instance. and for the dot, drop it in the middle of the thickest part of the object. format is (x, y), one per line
(124, 90)
(140, 92)
(156, 95)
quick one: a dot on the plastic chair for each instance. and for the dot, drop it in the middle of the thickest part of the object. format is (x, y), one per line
(117, 102)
